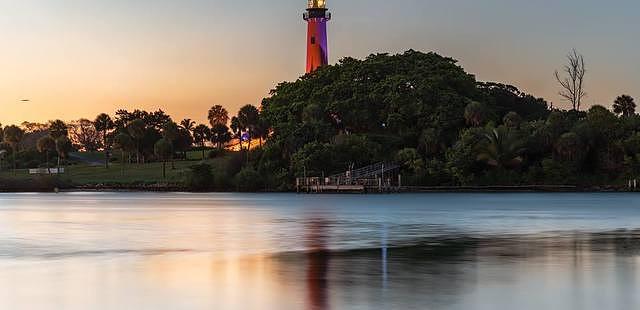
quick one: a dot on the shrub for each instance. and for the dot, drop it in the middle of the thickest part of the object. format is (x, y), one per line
(248, 180)
(200, 177)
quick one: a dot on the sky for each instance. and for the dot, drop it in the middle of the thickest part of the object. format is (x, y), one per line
(75, 58)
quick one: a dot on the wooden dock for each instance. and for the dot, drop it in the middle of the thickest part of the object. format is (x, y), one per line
(377, 178)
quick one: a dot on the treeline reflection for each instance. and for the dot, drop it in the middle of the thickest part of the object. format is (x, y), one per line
(439, 271)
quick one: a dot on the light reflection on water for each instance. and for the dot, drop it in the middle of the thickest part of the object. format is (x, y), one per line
(280, 251)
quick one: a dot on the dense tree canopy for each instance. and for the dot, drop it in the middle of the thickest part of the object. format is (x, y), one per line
(425, 112)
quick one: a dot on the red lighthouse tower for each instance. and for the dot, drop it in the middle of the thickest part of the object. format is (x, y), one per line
(317, 16)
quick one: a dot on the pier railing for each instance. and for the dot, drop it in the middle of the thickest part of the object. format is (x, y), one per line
(377, 177)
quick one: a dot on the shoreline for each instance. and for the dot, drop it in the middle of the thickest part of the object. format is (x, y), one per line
(160, 188)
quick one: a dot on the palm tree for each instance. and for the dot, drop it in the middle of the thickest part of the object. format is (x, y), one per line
(201, 134)
(125, 144)
(13, 135)
(104, 124)
(136, 129)
(63, 147)
(170, 132)
(248, 120)
(501, 149)
(45, 145)
(164, 150)
(218, 115)
(236, 130)
(188, 125)
(58, 129)
(475, 114)
(220, 135)
(624, 105)
(262, 129)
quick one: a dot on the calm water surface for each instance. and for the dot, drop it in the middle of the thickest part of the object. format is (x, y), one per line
(285, 251)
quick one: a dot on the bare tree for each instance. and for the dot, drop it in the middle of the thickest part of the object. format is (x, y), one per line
(573, 82)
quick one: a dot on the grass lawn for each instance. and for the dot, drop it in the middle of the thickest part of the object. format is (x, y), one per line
(197, 155)
(133, 173)
(88, 156)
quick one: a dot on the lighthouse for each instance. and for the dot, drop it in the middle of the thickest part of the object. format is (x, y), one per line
(317, 16)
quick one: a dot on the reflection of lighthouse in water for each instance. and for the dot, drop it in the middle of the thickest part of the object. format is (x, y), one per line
(317, 16)
(317, 265)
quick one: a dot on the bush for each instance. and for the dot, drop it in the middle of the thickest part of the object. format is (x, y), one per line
(200, 177)
(248, 180)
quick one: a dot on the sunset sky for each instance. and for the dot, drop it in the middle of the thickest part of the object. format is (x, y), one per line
(75, 58)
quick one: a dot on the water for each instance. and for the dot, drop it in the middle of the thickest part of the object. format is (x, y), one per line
(286, 251)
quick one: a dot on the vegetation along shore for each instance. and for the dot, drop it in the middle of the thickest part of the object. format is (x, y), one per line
(421, 111)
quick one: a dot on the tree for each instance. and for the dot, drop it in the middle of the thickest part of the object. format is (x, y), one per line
(603, 124)
(63, 147)
(201, 135)
(411, 159)
(170, 132)
(126, 145)
(45, 145)
(569, 148)
(507, 98)
(248, 120)
(501, 149)
(262, 129)
(188, 125)
(104, 124)
(183, 142)
(218, 115)
(13, 135)
(248, 180)
(573, 82)
(84, 134)
(58, 129)
(30, 127)
(512, 120)
(430, 142)
(220, 135)
(624, 105)
(164, 151)
(200, 177)
(236, 130)
(3, 154)
(136, 129)
(475, 114)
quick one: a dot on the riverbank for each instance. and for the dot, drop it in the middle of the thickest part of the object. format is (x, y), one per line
(148, 178)
(51, 185)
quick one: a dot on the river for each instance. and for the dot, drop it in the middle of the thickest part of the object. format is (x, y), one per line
(287, 251)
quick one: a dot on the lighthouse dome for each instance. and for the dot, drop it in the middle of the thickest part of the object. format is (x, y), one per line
(317, 4)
